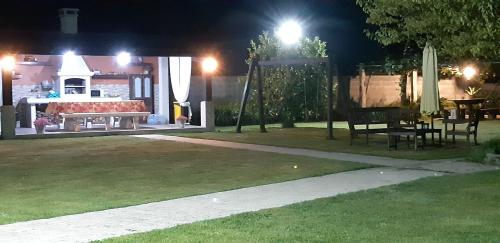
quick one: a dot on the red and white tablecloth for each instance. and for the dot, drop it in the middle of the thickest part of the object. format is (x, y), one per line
(96, 107)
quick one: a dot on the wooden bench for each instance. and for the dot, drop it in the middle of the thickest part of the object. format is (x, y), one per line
(70, 120)
(360, 119)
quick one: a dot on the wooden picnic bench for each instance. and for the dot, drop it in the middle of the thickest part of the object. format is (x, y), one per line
(360, 120)
(71, 120)
(398, 123)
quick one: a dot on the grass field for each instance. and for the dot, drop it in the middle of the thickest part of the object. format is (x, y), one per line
(51, 177)
(313, 136)
(457, 208)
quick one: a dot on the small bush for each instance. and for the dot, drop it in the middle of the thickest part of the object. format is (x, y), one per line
(226, 114)
(478, 154)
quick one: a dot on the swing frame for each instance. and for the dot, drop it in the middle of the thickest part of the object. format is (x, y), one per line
(256, 65)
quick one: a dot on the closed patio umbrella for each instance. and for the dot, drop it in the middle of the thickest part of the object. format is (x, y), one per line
(429, 102)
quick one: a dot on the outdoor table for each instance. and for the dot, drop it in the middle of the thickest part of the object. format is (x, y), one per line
(467, 102)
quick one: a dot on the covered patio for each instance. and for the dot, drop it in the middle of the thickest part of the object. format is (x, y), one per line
(73, 86)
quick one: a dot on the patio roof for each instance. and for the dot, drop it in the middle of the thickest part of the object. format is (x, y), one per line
(56, 43)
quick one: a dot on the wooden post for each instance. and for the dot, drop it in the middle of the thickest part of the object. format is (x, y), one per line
(329, 124)
(246, 92)
(260, 91)
(208, 87)
(8, 123)
(362, 93)
(6, 87)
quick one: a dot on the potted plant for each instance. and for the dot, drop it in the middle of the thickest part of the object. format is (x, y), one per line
(472, 91)
(40, 124)
(181, 121)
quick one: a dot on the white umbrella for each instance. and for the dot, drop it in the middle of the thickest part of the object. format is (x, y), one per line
(429, 102)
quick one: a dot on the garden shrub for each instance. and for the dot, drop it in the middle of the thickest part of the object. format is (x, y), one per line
(478, 154)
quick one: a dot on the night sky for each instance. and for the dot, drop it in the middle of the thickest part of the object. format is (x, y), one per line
(229, 23)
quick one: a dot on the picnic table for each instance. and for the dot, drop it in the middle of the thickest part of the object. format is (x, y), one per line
(469, 103)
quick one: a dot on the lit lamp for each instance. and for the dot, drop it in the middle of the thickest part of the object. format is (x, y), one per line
(289, 32)
(123, 58)
(469, 72)
(8, 125)
(209, 66)
(7, 64)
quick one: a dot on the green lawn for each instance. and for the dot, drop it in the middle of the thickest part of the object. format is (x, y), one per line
(313, 136)
(51, 177)
(457, 208)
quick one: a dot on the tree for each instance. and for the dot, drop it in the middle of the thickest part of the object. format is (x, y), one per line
(458, 29)
(291, 93)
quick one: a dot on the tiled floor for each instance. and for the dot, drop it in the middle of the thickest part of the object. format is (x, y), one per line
(96, 129)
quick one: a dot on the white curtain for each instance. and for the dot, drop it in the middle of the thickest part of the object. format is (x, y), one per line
(180, 77)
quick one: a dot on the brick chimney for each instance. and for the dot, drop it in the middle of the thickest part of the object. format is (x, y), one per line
(69, 20)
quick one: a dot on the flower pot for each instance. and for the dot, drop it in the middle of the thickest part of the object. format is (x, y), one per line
(181, 124)
(40, 130)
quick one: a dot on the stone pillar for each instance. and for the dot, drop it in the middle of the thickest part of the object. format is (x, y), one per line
(163, 89)
(207, 115)
(414, 85)
(8, 121)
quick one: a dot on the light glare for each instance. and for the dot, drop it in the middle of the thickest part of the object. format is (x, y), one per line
(123, 58)
(469, 72)
(289, 32)
(209, 65)
(8, 63)
(69, 54)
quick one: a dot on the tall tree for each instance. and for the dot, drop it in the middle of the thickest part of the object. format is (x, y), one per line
(458, 29)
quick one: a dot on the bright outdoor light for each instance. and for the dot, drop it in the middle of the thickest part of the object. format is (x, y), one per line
(469, 72)
(8, 63)
(289, 32)
(209, 65)
(69, 54)
(123, 58)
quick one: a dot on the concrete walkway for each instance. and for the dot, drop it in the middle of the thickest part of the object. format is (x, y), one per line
(434, 165)
(142, 218)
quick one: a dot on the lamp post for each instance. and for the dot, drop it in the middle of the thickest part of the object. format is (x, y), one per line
(7, 110)
(209, 67)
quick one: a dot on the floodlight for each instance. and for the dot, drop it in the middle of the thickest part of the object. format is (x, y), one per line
(69, 54)
(289, 32)
(123, 58)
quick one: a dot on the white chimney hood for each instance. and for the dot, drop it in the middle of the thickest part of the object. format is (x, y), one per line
(74, 77)
(73, 65)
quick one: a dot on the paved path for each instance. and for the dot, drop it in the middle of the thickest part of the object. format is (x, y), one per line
(122, 221)
(435, 165)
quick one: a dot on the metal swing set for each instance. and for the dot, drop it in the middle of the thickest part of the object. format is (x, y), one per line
(256, 65)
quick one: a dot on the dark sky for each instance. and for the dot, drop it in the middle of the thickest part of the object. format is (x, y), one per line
(229, 23)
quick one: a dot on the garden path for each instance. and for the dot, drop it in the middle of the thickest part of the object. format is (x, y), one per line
(449, 166)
